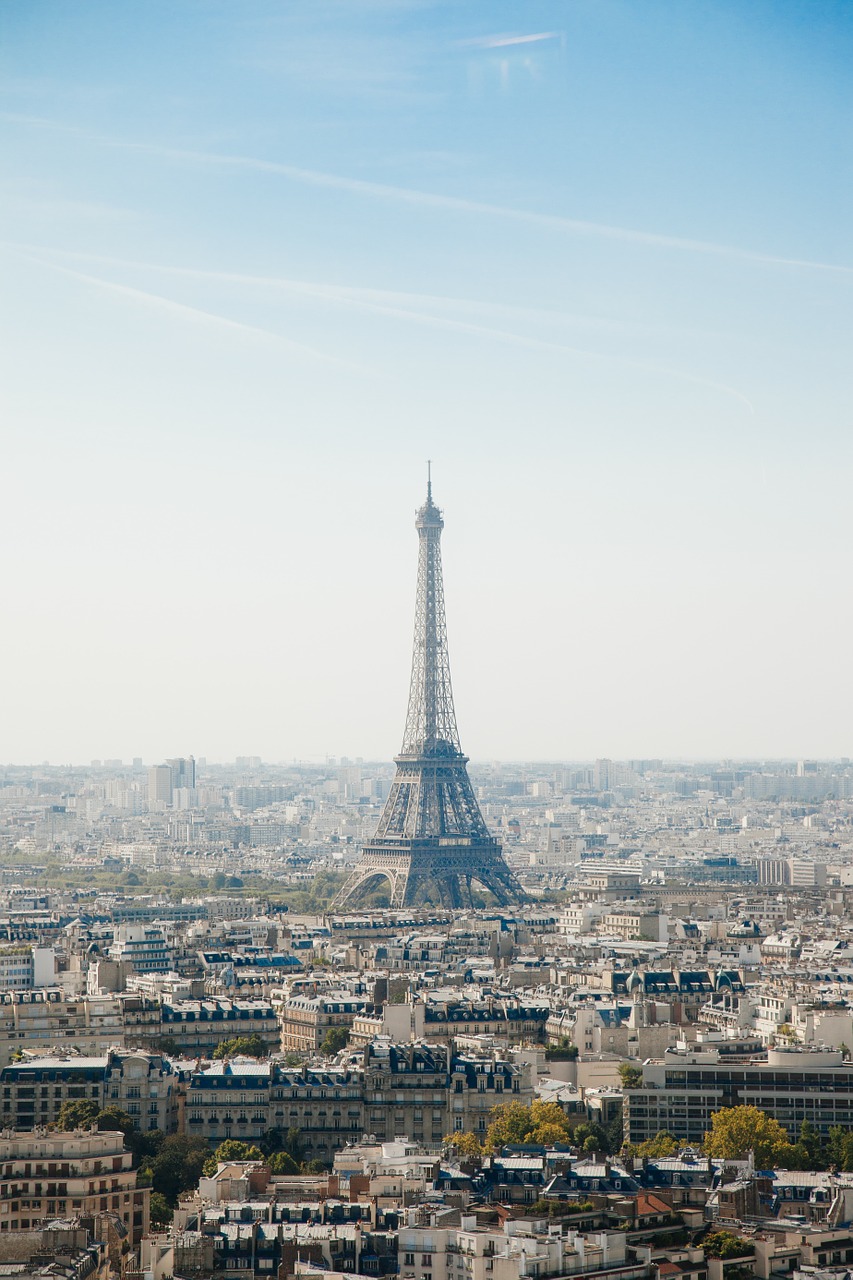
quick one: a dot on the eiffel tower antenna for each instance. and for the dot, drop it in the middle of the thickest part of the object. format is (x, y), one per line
(432, 841)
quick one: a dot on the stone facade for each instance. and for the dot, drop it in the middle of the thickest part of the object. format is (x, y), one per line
(53, 1174)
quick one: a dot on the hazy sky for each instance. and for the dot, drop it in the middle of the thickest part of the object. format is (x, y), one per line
(262, 259)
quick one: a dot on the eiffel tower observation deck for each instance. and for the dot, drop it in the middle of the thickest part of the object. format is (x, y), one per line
(432, 843)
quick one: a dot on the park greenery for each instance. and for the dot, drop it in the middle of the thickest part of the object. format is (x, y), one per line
(735, 1131)
(174, 881)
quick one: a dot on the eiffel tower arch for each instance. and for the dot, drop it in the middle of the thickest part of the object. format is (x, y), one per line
(432, 843)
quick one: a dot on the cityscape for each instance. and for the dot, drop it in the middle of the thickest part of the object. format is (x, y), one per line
(591, 1018)
(426, 833)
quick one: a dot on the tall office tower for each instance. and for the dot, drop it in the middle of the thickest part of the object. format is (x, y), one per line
(160, 784)
(432, 842)
(183, 773)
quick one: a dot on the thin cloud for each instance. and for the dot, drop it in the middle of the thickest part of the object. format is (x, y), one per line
(195, 314)
(390, 305)
(428, 199)
(503, 42)
(356, 293)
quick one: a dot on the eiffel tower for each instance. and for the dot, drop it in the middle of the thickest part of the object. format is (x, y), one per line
(432, 842)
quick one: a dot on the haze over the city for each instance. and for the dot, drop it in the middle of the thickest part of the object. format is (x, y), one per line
(260, 262)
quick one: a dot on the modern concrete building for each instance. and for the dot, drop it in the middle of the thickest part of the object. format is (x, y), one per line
(681, 1091)
(23, 967)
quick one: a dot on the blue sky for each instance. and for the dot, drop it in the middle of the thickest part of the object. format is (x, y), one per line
(261, 260)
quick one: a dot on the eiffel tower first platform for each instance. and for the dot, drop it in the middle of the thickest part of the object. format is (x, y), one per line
(432, 842)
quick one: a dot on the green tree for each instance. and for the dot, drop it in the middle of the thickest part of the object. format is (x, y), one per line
(293, 1144)
(466, 1144)
(839, 1148)
(165, 1044)
(662, 1144)
(253, 1046)
(560, 1208)
(562, 1051)
(614, 1132)
(231, 1149)
(737, 1130)
(810, 1139)
(80, 1113)
(176, 1166)
(514, 1124)
(591, 1136)
(282, 1164)
(114, 1120)
(631, 1077)
(288, 1141)
(234, 1149)
(725, 1244)
(333, 1041)
(161, 1211)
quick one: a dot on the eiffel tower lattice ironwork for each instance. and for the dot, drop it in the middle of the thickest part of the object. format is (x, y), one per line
(432, 842)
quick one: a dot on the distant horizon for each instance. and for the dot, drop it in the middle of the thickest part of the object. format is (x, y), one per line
(344, 761)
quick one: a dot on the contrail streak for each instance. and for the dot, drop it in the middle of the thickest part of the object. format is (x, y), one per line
(376, 302)
(427, 199)
(195, 314)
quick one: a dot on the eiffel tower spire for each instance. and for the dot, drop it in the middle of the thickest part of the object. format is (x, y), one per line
(432, 841)
(431, 719)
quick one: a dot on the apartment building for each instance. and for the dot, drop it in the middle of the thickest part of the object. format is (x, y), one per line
(305, 1019)
(399, 1022)
(682, 1090)
(628, 923)
(142, 949)
(196, 1027)
(506, 1017)
(147, 1086)
(46, 1017)
(478, 1084)
(420, 1091)
(23, 967)
(685, 991)
(244, 1098)
(80, 1174)
(466, 1253)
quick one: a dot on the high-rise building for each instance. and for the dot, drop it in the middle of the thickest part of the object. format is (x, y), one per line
(183, 772)
(432, 843)
(160, 784)
(166, 779)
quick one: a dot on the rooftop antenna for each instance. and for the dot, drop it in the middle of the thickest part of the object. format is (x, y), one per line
(429, 480)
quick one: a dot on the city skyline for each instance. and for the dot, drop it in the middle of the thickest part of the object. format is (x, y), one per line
(594, 260)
